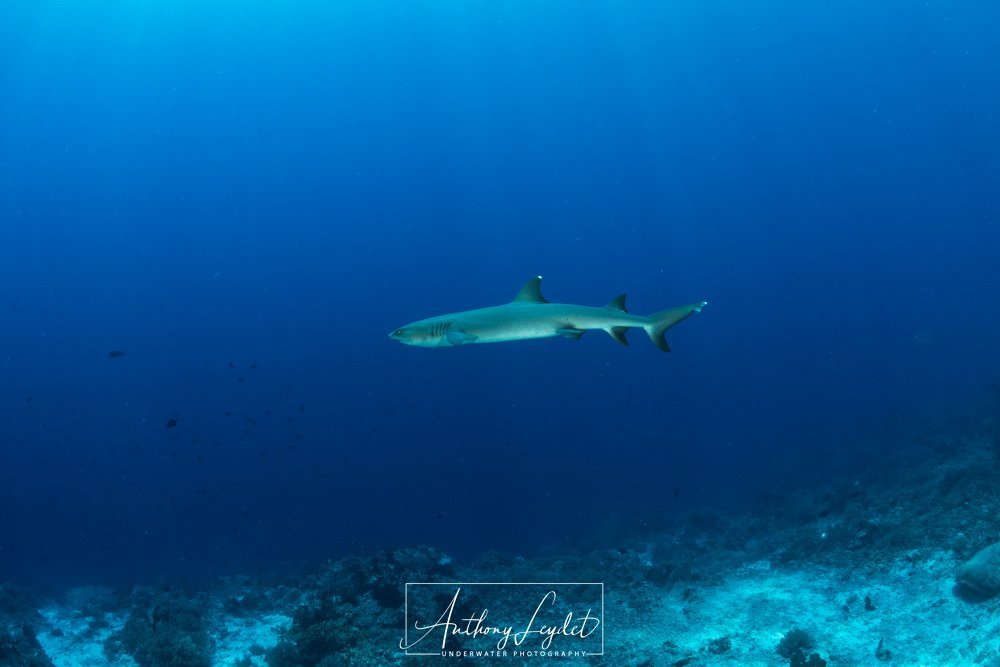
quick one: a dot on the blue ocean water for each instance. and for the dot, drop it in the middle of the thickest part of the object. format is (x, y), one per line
(246, 198)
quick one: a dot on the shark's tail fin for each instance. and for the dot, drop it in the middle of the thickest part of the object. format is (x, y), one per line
(658, 323)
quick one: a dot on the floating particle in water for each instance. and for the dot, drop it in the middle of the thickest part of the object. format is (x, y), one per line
(114, 354)
(172, 422)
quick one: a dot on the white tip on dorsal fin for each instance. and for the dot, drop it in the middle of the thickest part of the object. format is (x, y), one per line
(531, 292)
(617, 303)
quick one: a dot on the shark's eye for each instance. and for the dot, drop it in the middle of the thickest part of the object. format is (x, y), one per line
(398, 332)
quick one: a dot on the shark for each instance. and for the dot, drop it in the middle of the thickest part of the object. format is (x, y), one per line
(531, 315)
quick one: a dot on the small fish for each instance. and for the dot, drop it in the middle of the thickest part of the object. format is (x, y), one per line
(172, 422)
(114, 354)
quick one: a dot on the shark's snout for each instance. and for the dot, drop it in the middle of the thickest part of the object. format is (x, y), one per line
(402, 335)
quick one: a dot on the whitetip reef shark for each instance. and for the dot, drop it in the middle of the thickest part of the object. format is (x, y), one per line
(530, 315)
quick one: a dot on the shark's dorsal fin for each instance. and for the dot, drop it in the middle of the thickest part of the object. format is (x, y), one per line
(617, 303)
(531, 292)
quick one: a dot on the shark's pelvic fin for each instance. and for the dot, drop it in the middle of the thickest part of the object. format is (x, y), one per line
(618, 333)
(617, 303)
(658, 323)
(531, 292)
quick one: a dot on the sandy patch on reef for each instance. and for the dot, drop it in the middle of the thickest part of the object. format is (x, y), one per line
(70, 642)
(234, 637)
(912, 610)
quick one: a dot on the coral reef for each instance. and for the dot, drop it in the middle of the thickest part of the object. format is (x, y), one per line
(19, 620)
(350, 600)
(881, 563)
(979, 577)
(795, 647)
(164, 629)
(19, 647)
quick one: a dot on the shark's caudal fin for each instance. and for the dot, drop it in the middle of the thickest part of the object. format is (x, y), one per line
(658, 323)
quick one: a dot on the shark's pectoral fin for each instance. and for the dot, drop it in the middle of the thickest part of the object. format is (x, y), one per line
(618, 333)
(460, 338)
(570, 332)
